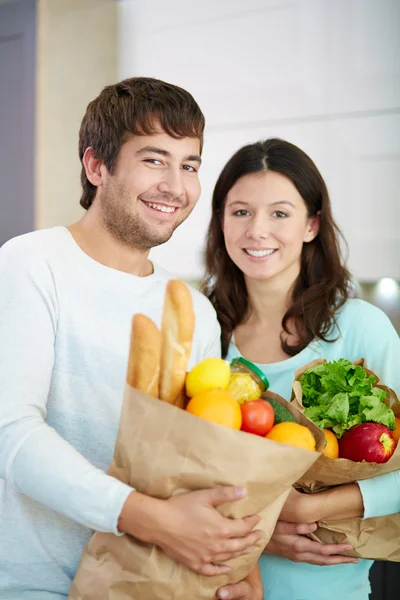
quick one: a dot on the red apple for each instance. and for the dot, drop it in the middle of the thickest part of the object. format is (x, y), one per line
(372, 442)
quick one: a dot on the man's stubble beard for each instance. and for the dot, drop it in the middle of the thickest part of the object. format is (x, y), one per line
(126, 227)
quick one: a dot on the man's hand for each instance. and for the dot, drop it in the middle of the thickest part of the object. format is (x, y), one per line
(188, 527)
(288, 541)
(250, 588)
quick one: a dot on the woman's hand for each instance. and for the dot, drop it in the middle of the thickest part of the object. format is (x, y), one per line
(288, 541)
(341, 502)
(250, 588)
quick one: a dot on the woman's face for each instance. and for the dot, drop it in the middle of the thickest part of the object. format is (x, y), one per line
(265, 225)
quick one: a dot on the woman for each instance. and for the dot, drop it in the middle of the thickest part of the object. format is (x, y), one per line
(282, 293)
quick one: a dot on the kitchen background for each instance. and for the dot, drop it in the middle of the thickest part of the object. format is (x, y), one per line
(324, 74)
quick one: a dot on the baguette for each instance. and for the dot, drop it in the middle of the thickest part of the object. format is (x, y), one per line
(177, 334)
(144, 356)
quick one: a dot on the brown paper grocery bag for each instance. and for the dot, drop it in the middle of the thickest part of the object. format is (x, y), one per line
(162, 450)
(377, 538)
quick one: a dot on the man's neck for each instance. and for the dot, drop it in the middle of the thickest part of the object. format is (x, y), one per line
(96, 241)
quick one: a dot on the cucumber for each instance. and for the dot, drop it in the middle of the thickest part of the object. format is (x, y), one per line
(281, 413)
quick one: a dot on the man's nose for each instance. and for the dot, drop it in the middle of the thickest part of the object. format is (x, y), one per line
(172, 183)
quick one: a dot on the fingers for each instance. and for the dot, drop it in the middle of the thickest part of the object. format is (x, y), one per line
(241, 527)
(223, 494)
(220, 558)
(237, 591)
(321, 561)
(210, 570)
(286, 528)
(306, 545)
(232, 548)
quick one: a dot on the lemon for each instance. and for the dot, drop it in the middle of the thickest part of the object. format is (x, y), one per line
(208, 374)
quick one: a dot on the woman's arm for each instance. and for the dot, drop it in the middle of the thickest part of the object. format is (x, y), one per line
(342, 502)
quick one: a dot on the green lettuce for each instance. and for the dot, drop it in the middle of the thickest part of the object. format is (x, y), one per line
(340, 395)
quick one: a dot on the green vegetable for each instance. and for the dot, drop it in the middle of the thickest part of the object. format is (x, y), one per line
(282, 415)
(339, 395)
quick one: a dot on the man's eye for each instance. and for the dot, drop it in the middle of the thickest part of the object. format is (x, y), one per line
(240, 213)
(280, 214)
(189, 168)
(153, 161)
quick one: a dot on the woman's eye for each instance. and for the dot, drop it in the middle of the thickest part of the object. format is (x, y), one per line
(240, 213)
(280, 214)
(189, 168)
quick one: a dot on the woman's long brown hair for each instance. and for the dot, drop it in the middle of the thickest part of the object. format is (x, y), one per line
(323, 285)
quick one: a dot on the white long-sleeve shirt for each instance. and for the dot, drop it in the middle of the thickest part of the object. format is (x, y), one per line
(64, 339)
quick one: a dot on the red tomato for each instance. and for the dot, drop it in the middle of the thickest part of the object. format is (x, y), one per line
(257, 417)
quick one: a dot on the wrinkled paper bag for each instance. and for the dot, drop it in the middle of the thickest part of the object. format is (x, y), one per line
(162, 450)
(376, 538)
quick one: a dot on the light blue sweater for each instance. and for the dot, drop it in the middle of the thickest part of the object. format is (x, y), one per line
(366, 332)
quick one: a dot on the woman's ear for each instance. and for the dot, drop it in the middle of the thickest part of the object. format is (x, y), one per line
(312, 229)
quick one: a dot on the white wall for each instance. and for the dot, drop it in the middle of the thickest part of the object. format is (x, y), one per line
(324, 74)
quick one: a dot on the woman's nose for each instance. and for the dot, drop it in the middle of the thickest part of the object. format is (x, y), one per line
(257, 229)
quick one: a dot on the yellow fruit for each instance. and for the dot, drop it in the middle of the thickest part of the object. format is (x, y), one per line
(331, 449)
(292, 434)
(216, 406)
(243, 387)
(396, 431)
(208, 374)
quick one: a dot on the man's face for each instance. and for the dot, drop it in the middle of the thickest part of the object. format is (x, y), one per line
(154, 188)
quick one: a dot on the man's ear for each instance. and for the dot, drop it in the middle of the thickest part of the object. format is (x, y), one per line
(93, 167)
(312, 229)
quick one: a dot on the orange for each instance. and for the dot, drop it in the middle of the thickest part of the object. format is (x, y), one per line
(217, 406)
(331, 449)
(396, 431)
(292, 434)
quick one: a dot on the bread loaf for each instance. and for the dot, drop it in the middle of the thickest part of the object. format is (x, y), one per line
(144, 355)
(177, 333)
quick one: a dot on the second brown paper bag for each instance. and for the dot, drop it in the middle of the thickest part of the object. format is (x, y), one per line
(376, 538)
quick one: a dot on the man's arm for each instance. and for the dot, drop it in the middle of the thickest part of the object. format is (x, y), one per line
(39, 463)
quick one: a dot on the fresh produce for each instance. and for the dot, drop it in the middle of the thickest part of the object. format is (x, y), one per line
(331, 449)
(257, 417)
(247, 381)
(339, 395)
(216, 406)
(292, 434)
(281, 413)
(372, 442)
(208, 374)
(243, 387)
(396, 431)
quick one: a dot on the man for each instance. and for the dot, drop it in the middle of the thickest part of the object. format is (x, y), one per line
(67, 296)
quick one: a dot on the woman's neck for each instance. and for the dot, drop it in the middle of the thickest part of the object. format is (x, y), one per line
(269, 300)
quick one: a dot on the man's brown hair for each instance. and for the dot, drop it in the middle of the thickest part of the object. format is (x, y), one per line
(135, 106)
